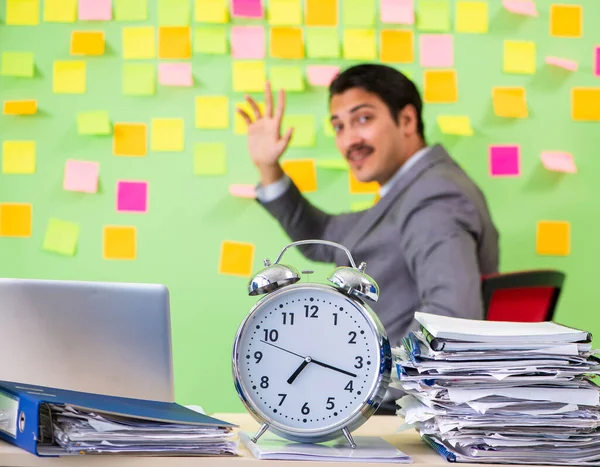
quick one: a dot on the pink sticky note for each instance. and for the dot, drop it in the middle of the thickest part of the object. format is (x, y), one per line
(397, 11)
(175, 74)
(437, 50)
(570, 65)
(132, 196)
(247, 8)
(248, 42)
(243, 191)
(559, 161)
(597, 57)
(321, 75)
(81, 176)
(99, 10)
(505, 161)
(520, 7)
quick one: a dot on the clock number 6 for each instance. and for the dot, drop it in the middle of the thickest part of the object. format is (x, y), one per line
(305, 409)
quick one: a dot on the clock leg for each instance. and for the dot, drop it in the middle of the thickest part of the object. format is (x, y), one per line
(261, 431)
(348, 437)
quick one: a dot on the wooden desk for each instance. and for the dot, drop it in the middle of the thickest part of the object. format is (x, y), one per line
(384, 426)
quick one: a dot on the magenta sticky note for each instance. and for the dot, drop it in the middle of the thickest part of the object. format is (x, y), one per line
(81, 176)
(505, 161)
(597, 58)
(242, 191)
(437, 50)
(95, 10)
(132, 196)
(247, 8)
(248, 42)
(565, 63)
(397, 11)
(321, 75)
(520, 7)
(175, 74)
(559, 161)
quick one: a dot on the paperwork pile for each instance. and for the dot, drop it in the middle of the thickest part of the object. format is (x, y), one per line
(501, 392)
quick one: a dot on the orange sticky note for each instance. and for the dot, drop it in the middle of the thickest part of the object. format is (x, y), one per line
(397, 46)
(585, 104)
(130, 139)
(553, 238)
(357, 187)
(321, 13)
(566, 20)
(174, 42)
(441, 86)
(119, 242)
(87, 43)
(286, 43)
(303, 173)
(28, 107)
(510, 102)
(15, 219)
(236, 258)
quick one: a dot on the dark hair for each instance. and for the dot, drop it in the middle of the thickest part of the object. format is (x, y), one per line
(392, 87)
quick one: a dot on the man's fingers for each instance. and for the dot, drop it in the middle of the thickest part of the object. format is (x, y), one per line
(254, 106)
(244, 115)
(268, 100)
(280, 107)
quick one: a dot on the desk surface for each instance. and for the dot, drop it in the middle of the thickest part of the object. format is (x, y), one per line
(385, 426)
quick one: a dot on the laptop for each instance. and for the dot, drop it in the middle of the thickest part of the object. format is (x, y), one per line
(101, 337)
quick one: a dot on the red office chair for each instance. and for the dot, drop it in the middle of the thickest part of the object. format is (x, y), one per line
(524, 296)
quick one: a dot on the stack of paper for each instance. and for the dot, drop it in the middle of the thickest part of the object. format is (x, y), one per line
(79, 431)
(501, 392)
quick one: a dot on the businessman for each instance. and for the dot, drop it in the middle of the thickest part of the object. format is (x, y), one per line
(429, 238)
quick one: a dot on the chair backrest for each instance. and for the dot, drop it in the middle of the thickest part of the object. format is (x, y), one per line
(523, 296)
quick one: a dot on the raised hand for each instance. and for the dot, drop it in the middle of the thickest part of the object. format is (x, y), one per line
(265, 142)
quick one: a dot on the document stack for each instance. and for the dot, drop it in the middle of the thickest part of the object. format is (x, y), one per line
(501, 392)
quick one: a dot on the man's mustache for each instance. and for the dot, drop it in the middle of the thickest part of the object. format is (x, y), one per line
(359, 147)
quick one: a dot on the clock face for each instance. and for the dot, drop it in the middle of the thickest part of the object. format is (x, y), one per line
(308, 357)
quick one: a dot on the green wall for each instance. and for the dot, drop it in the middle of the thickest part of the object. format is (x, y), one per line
(189, 216)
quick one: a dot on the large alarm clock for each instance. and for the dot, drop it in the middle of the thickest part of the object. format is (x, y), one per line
(311, 361)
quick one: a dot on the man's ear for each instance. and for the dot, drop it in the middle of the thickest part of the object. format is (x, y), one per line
(407, 119)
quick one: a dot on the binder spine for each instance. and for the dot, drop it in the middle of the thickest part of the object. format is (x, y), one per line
(26, 420)
(440, 449)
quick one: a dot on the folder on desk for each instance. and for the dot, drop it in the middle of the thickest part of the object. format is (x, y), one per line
(55, 422)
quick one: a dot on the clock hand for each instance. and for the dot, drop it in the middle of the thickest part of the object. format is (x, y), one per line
(295, 374)
(325, 365)
(281, 348)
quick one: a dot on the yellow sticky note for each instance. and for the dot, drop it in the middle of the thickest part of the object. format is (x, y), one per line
(130, 139)
(287, 77)
(357, 187)
(303, 173)
(359, 44)
(174, 42)
(510, 102)
(60, 11)
(321, 13)
(18, 157)
(585, 104)
(69, 77)
(139, 79)
(61, 237)
(304, 130)
(285, 13)
(236, 258)
(211, 11)
(15, 219)
(212, 112)
(286, 43)
(167, 135)
(25, 107)
(553, 238)
(239, 126)
(20, 64)
(249, 76)
(87, 43)
(472, 17)
(519, 57)
(455, 125)
(397, 46)
(441, 86)
(138, 42)
(119, 242)
(566, 20)
(23, 12)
